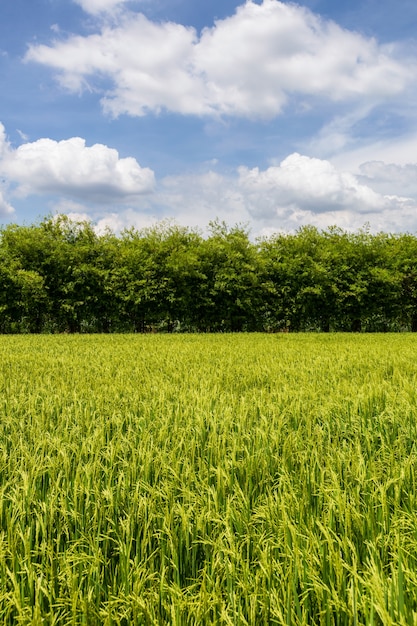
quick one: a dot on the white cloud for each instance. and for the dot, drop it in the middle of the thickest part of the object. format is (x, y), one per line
(148, 64)
(299, 191)
(196, 199)
(70, 168)
(124, 219)
(95, 7)
(378, 171)
(247, 65)
(101, 220)
(390, 177)
(4, 144)
(336, 136)
(75, 210)
(256, 59)
(309, 184)
(5, 207)
(304, 190)
(22, 135)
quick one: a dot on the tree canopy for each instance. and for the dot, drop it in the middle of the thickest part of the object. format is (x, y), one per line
(62, 276)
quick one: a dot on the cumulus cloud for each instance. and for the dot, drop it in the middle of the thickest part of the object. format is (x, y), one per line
(299, 191)
(263, 54)
(248, 65)
(148, 64)
(72, 169)
(304, 190)
(309, 184)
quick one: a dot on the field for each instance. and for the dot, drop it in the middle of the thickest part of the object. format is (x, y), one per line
(208, 479)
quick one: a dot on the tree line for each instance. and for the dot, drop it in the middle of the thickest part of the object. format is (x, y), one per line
(61, 276)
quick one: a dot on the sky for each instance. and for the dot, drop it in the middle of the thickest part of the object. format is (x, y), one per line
(268, 114)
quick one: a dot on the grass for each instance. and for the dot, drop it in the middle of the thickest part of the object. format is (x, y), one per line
(208, 479)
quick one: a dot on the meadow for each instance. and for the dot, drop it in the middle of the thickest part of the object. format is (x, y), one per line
(208, 479)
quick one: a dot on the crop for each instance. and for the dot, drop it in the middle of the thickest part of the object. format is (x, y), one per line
(208, 479)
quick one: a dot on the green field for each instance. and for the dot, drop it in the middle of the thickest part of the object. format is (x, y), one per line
(208, 479)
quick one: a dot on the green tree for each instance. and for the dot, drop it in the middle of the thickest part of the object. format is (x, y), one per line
(230, 296)
(301, 294)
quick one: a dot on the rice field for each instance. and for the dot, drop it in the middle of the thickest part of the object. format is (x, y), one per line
(208, 479)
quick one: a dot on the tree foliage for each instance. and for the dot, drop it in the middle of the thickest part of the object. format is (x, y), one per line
(61, 276)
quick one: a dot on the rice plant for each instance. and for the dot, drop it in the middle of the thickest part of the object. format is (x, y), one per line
(208, 479)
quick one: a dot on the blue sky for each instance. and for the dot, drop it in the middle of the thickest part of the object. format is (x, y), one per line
(272, 114)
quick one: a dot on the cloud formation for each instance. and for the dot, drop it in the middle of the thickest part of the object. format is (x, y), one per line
(388, 176)
(300, 190)
(94, 7)
(5, 207)
(248, 65)
(94, 181)
(70, 168)
(305, 190)
(308, 184)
